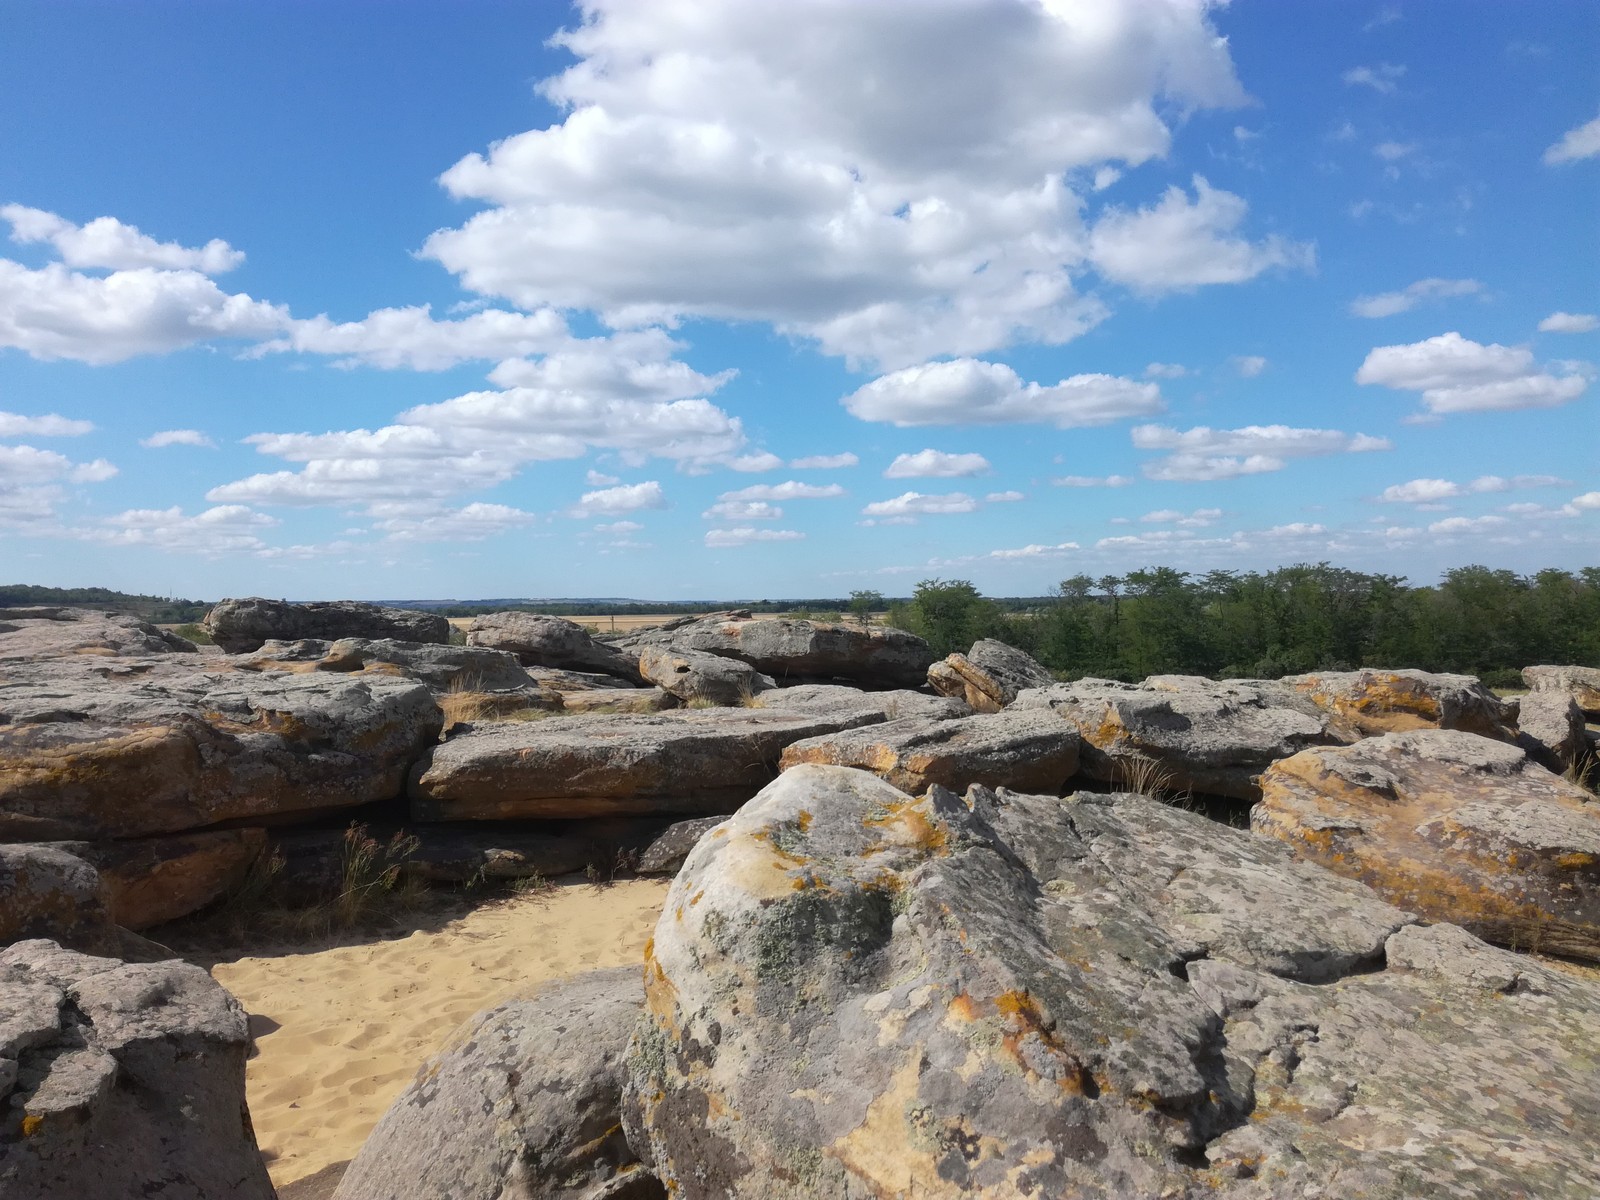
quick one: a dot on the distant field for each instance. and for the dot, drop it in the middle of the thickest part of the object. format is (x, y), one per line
(604, 622)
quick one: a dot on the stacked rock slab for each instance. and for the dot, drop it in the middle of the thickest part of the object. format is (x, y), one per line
(857, 994)
(34, 633)
(1031, 750)
(1183, 732)
(1453, 826)
(156, 879)
(792, 650)
(540, 641)
(524, 1102)
(121, 1081)
(243, 625)
(989, 676)
(1555, 714)
(1371, 702)
(441, 667)
(690, 675)
(689, 762)
(862, 708)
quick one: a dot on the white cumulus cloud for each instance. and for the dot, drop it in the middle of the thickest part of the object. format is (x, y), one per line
(1454, 374)
(1088, 481)
(825, 462)
(470, 523)
(614, 501)
(177, 437)
(915, 504)
(1580, 142)
(967, 391)
(47, 425)
(109, 243)
(744, 535)
(1202, 453)
(1565, 322)
(1387, 304)
(791, 489)
(936, 464)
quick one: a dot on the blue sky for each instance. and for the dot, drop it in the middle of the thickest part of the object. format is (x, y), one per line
(719, 298)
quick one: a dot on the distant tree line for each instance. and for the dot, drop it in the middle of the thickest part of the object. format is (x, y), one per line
(161, 610)
(1231, 624)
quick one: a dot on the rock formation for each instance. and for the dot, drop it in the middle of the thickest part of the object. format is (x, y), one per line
(540, 641)
(989, 676)
(242, 625)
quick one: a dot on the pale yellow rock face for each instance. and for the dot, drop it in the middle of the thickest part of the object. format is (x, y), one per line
(1451, 826)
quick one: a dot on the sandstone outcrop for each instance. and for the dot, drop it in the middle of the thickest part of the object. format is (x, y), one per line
(692, 675)
(862, 707)
(243, 625)
(1552, 729)
(857, 994)
(1032, 750)
(1371, 702)
(792, 650)
(121, 1081)
(34, 633)
(540, 641)
(47, 892)
(1581, 683)
(441, 667)
(1454, 826)
(1182, 732)
(989, 676)
(152, 880)
(85, 757)
(617, 700)
(523, 1103)
(690, 762)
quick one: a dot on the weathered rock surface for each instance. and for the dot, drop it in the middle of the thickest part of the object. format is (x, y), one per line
(1032, 750)
(691, 675)
(47, 892)
(1371, 702)
(443, 668)
(38, 633)
(1177, 732)
(989, 676)
(1551, 728)
(242, 625)
(1581, 683)
(83, 756)
(523, 1104)
(540, 641)
(666, 852)
(123, 1081)
(857, 995)
(1451, 825)
(790, 649)
(151, 880)
(692, 762)
(834, 699)
(617, 700)
(557, 680)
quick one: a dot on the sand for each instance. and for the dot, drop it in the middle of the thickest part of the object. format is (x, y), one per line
(340, 1032)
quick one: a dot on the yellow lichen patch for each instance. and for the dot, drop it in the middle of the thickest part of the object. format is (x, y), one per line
(30, 1124)
(759, 869)
(1575, 861)
(964, 1008)
(881, 1151)
(908, 824)
(802, 822)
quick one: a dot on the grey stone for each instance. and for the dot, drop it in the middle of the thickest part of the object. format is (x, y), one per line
(128, 1081)
(855, 994)
(48, 892)
(523, 1104)
(540, 641)
(1551, 728)
(666, 852)
(40, 633)
(1184, 732)
(441, 667)
(242, 625)
(152, 880)
(617, 700)
(1030, 750)
(794, 650)
(691, 675)
(832, 699)
(1581, 683)
(1370, 702)
(989, 676)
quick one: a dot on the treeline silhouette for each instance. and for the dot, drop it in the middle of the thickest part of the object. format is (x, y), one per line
(1308, 617)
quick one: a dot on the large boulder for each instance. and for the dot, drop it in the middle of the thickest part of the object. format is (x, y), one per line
(48, 892)
(242, 625)
(152, 880)
(1581, 683)
(123, 1080)
(524, 1103)
(1552, 728)
(691, 675)
(1175, 733)
(789, 649)
(441, 667)
(666, 852)
(692, 762)
(87, 757)
(989, 676)
(1451, 825)
(41, 633)
(856, 994)
(1370, 702)
(835, 699)
(1032, 751)
(540, 641)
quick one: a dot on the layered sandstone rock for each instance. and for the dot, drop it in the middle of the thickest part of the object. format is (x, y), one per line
(152, 880)
(1454, 826)
(691, 675)
(540, 641)
(989, 676)
(243, 625)
(1370, 702)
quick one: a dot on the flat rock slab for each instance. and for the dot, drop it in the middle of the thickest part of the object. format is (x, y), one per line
(87, 757)
(443, 668)
(40, 633)
(1032, 750)
(692, 762)
(790, 649)
(1454, 826)
(121, 1081)
(540, 641)
(617, 700)
(989, 676)
(152, 880)
(524, 1102)
(835, 699)
(855, 994)
(242, 625)
(692, 675)
(1371, 702)
(1179, 733)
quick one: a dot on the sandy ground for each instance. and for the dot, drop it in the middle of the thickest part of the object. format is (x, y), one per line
(340, 1032)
